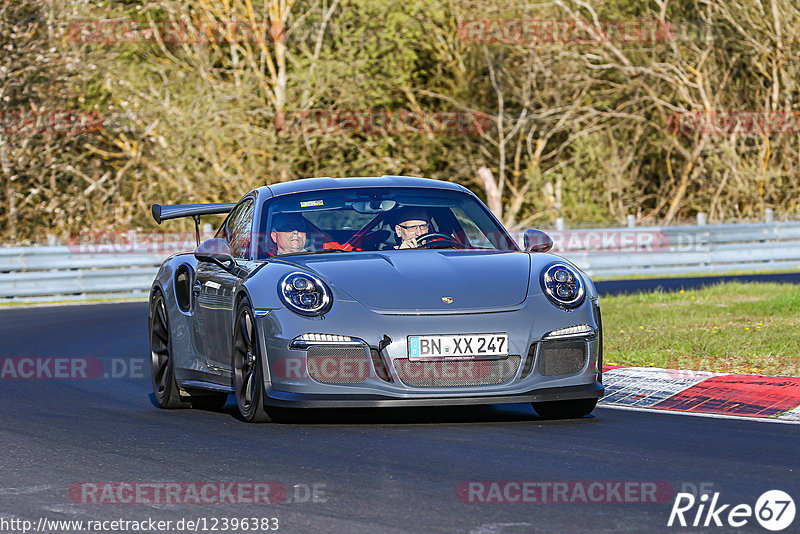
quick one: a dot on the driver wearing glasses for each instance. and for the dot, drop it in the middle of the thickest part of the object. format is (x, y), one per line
(411, 224)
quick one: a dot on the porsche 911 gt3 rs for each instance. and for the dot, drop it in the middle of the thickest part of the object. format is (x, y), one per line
(370, 292)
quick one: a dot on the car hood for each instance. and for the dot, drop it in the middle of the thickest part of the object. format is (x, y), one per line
(422, 280)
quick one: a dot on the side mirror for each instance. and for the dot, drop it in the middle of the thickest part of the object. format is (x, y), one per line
(216, 251)
(537, 241)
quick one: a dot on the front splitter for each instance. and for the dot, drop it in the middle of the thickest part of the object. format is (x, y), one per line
(301, 400)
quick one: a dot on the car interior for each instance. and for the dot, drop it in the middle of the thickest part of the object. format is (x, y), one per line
(377, 234)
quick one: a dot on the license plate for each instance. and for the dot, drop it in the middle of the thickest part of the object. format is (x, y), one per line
(457, 346)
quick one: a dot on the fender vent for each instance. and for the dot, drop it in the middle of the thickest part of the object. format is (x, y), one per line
(183, 284)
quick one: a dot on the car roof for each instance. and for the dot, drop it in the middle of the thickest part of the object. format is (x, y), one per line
(318, 184)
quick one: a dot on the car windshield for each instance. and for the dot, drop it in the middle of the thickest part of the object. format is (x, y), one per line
(379, 218)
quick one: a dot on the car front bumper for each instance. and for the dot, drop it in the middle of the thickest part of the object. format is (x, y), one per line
(526, 327)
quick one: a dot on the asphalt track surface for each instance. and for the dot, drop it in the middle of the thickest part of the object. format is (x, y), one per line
(616, 287)
(380, 470)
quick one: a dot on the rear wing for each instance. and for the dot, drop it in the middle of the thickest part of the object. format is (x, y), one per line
(176, 211)
(163, 213)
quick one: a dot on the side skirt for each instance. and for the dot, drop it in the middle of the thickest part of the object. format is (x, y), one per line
(208, 386)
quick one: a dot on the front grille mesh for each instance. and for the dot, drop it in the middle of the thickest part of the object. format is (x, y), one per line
(337, 365)
(562, 357)
(444, 373)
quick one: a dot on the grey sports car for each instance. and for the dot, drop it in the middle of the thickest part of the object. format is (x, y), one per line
(370, 292)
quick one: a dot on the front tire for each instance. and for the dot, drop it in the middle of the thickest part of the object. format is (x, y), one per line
(248, 373)
(567, 409)
(161, 364)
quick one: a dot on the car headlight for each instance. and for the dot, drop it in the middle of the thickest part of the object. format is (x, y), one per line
(563, 285)
(305, 294)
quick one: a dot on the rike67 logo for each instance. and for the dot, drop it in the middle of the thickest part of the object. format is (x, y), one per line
(774, 510)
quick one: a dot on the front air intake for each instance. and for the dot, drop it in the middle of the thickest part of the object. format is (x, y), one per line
(452, 373)
(377, 364)
(562, 357)
(337, 365)
(598, 318)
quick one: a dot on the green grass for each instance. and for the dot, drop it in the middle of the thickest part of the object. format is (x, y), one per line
(731, 328)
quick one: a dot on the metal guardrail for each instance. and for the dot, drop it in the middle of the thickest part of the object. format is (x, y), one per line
(29, 273)
(679, 250)
(76, 273)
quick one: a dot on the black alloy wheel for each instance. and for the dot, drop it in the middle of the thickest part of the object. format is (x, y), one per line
(248, 375)
(162, 371)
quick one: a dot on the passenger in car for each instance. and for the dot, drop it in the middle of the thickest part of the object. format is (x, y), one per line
(289, 233)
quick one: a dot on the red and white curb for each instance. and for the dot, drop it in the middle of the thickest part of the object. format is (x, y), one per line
(775, 398)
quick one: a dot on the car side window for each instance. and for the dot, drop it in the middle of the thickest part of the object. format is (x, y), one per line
(238, 229)
(474, 234)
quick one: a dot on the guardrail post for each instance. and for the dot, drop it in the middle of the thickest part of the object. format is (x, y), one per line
(701, 219)
(631, 221)
(560, 224)
(769, 215)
